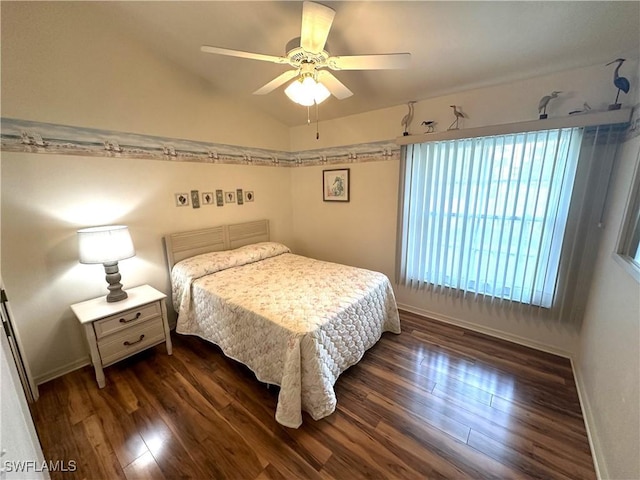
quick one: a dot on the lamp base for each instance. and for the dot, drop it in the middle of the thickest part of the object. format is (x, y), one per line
(113, 278)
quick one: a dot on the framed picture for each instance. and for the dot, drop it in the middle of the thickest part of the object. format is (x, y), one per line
(207, 198)
(195, 199)
(219, 198)
(229, 197)
(335, 185)
(182, 199)
(248, 196)
(239, 196)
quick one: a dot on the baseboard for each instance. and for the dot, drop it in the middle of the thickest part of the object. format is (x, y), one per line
(492, 332)
(601, 471)
(69, 367)
(63, 370)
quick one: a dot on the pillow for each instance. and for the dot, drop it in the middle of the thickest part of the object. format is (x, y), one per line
(212, 262)
(186, 271)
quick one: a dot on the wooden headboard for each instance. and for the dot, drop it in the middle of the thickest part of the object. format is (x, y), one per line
(183, 245)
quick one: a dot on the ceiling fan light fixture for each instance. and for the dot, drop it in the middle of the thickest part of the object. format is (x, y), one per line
(306, 91)
(309, 57)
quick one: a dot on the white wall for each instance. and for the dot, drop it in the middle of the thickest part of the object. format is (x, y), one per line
(46, 198)
(363, 231)
(513, 102)
(608, 364)
(63, 63)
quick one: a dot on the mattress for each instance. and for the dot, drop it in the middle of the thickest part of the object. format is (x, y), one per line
(294, 321)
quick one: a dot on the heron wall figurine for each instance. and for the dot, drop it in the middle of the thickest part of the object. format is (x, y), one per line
(458, 114)
(585, 108)
(544, 101)
(621, 83)
(406, 120)
(430, 124)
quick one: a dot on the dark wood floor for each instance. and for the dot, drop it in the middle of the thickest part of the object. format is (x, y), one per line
(436, 401)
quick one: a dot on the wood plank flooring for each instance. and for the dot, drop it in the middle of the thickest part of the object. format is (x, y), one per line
(436, 401)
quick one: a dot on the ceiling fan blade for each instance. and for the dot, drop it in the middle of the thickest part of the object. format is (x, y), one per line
(241, 54)
(316, 23)
(276, 82)
(389, 61)
(335, 86)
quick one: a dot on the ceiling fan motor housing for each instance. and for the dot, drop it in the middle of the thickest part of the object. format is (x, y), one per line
(298, 56)
(313, 61)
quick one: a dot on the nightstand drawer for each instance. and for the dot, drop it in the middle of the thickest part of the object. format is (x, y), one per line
(131, 340)
(117, 330)
(126, 319)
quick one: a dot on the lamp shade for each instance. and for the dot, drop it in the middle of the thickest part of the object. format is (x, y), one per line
(106, 244)
(306, 91)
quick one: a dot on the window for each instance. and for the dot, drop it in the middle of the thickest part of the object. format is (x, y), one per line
(487, 215)
(629, 241)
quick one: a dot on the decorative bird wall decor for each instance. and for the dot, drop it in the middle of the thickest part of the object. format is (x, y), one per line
(544, 101)
(621, 83)
(585, 108)
(406, 120)
(458, 114)
(430, 124)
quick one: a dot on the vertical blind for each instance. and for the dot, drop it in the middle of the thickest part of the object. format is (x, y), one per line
(486, 215)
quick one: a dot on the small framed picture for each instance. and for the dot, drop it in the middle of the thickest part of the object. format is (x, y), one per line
(248, 196)
(195, 199)
(207, 198)
(182, 199)
(219, 198)
(229, 197)
(335, 185)
(239, 196)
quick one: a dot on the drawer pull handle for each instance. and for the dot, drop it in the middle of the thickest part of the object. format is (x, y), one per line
(128, 343)
(124, 320)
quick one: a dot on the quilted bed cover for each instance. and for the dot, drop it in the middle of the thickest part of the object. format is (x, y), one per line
(295, 322)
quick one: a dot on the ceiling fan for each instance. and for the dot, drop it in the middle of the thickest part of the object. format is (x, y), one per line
(309, 59)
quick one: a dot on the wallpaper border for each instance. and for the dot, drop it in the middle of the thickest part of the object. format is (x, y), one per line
(37, 137)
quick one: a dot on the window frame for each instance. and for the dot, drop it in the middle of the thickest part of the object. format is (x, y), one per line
(630, 227)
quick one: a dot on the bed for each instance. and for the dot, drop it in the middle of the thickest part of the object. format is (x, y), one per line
(294, 321)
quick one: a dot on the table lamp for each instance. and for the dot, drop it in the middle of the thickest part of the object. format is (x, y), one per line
(107, 245)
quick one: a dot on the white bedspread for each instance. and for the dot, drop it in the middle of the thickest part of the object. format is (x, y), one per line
(296, 322)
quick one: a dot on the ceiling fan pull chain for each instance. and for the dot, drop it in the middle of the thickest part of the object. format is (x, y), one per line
(317, 126)
(308, 115)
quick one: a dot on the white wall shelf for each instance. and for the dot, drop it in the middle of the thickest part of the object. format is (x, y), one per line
(608, 117)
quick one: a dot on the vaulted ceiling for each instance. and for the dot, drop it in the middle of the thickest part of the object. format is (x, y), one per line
(455, 46)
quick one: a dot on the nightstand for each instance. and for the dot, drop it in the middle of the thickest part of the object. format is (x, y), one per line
(118, 330)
